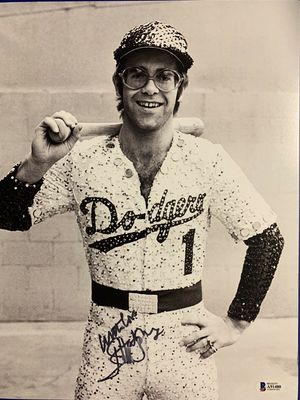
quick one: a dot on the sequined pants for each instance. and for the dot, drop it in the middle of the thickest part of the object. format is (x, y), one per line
(127, 355)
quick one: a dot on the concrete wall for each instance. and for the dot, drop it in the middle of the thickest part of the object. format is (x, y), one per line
(243, 85)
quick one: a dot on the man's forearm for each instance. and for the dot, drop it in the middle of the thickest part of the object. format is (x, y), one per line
(15, 199)
(260, 264)
(30, 171)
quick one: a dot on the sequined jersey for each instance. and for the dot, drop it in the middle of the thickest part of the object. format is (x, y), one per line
(133, 246)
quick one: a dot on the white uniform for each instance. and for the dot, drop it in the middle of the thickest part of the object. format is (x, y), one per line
(131, 245)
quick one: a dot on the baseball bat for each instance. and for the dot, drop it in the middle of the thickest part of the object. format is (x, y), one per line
(192, 126)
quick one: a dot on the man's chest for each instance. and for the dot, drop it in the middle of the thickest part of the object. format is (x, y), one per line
(123, 200)
(164, 235)
(146, 171)
(144, 237)
(114, 193)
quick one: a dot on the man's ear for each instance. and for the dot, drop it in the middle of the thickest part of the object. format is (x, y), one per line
(180, 94)
(180, 97)
(116, 83)
(182, 88)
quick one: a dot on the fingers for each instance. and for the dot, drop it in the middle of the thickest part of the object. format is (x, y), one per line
(54, 137)
(59, 127)
(66, 122)
(50, 123)
(75, 135)
(77, 130)
(200, 345)
(205, 341)
(193, 319)
(211, 349)
(205, 346)
(199, 342)
(195, 337)
(64, 130)
(67, 118)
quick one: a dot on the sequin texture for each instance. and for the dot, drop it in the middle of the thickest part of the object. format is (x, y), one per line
(260, 264)
(166, 371)
(16, 197)
(138, 246)
(155, 35)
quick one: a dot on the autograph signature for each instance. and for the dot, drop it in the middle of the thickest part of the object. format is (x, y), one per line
(119, 350)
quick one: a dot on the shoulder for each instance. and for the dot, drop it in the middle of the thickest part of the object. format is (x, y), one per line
(89, 148)
(200, 147)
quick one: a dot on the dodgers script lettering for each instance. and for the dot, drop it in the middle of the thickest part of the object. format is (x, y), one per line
(162, 217)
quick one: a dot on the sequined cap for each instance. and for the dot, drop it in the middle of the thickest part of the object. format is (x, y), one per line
(155, 35)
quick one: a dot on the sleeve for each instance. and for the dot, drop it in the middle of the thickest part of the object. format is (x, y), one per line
(235, 202)
(259, 267)
(15, 199)
(56, 193)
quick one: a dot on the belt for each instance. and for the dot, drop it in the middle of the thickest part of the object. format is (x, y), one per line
(147, 302)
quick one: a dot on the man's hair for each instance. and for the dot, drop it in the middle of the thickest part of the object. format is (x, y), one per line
(119, 87)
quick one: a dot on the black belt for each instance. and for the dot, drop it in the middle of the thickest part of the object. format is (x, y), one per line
(166, 300)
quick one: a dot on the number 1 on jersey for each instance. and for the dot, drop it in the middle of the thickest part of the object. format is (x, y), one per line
(188, 239)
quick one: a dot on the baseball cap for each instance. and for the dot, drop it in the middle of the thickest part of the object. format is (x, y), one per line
(155, 35)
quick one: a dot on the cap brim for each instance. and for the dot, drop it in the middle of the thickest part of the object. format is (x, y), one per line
(151, 47)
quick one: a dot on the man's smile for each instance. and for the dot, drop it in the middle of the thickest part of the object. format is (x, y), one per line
(149, 104)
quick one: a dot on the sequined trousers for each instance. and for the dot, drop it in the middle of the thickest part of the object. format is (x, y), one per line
(127, 355)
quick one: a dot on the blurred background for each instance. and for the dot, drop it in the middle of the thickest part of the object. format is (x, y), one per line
(243, 85)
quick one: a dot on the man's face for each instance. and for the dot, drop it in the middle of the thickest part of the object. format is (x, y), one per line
(149, 108)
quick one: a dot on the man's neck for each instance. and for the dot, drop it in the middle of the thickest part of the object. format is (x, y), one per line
(147, 151)
(142, 146)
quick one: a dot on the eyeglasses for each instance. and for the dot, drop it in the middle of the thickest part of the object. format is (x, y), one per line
(165, 79)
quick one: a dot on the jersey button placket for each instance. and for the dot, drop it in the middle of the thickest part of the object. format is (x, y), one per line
(146, 249)
(152, 247)
(131, 176)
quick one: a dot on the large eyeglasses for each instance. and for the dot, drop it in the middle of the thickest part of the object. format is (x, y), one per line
(165, 79)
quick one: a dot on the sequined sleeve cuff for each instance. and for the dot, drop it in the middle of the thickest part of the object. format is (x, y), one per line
(260, 264)
(15, 198)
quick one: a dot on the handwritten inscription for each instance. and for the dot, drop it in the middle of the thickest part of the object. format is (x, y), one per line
(119, 350)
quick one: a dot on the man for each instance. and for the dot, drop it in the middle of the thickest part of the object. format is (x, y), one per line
(143, 200)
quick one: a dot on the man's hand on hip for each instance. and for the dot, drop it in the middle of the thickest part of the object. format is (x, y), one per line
(214, 332)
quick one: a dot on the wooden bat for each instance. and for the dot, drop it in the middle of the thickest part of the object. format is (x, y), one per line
(192, 126)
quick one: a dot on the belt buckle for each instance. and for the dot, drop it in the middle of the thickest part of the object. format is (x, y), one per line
(143, 303)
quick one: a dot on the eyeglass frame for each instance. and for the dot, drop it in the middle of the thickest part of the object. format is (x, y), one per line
(152, 78)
